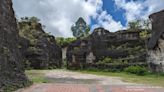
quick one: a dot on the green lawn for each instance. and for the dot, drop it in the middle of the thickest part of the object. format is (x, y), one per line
(149, 79)
(37, 76)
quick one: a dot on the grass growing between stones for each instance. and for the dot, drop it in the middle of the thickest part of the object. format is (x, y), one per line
(148, 79)
(37, 76)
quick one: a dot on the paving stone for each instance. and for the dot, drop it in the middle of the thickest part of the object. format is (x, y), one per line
(91, 88)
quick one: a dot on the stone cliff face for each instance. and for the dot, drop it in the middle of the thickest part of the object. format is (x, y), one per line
(122, 46)
(39, 49)
(11, 66)
(156, 42)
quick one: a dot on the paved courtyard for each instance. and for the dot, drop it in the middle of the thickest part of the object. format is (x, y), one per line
(66, 81)
(90, 88)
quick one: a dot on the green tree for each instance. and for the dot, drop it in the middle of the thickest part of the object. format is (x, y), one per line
(144, 27)
(80, 29)
(140, 25)
(135, 25)
(145, 33)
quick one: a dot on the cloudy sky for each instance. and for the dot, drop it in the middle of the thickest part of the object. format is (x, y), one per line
(60, 15)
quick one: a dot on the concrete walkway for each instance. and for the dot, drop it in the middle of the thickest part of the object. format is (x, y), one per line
(66, 81)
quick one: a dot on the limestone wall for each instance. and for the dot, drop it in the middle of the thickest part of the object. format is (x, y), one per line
(156, 43)
(11, 66)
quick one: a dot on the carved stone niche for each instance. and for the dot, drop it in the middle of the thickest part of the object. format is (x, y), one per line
(90, 58)
(83, 44)
(73, 59)
(100, 31)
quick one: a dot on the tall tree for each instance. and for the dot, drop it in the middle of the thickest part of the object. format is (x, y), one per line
(135, 25)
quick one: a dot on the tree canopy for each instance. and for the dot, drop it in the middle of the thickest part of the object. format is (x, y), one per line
(140, 25)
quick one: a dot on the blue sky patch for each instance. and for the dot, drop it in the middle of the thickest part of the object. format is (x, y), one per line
(117, 14)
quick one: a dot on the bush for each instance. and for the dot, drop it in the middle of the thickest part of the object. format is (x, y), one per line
(64, 42)
(105, 60)
(138, 70)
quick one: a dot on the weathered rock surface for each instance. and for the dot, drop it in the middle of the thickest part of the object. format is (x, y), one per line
(157, 27)
(122, 46)
(39, 49)
(156, 42)
(11, 66)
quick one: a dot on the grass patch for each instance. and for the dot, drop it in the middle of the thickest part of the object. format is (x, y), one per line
(148, 79)
(37, 76)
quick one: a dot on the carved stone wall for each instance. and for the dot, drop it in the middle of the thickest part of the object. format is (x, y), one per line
(156, 43)
(11, 63)
(119, 46)
(41, 51)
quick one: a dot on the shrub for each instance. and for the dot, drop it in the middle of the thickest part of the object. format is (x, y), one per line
(105, 60)
(138, 70)
(27, 64)
(64, 42)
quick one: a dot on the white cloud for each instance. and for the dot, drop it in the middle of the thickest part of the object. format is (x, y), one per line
(153, 6)
(57, 15)
(105, 20)
(139, 9)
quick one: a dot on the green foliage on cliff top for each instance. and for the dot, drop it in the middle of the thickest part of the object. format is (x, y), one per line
(31, 29)
(144, 26)
(63, 42)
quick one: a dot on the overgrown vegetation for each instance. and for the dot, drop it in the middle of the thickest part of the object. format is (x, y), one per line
(39, 48)
(138, 70)
(105, 60)
(28, 27)
(148, 79)
(64, 42)
(141, 25)
(37, 76)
